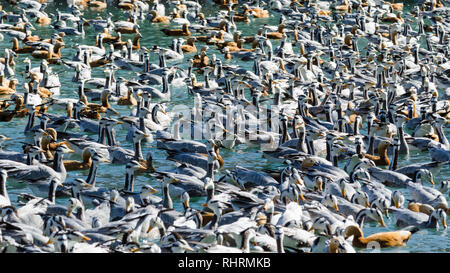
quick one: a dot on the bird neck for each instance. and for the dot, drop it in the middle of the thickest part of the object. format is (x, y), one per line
(58, 165)
(30, 122)
(166, 196)
(92, 176)
(104, 98)
(138, 150)
(80, 213)
(52, 192)
(129, 181)
(280, 248)
(15, 46)
(3, 190)
(442, 138)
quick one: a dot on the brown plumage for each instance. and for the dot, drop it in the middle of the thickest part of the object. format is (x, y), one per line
(50, 55)
(419, 207)
(97, 4)
(10, 88)
(74, 165)
(94, 107)
(129, 99)
(256, 12)
(382, 159)
(158, 19)
(43, 20)
(128, 30)
(190, 46)
(384, 239)
(177, 32)
(25, 49)
(278, 34)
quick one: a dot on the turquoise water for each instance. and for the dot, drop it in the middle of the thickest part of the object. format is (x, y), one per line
(112, 175)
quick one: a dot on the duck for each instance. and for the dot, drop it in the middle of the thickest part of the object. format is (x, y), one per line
(97, 4)
(23, 50)
(382, 159)
(190, 47)
(406, 217)
(184, 31)
(256, 12)
(276, 35)
(73, 165)
(381, 239)
(154, 18)
(10, 88)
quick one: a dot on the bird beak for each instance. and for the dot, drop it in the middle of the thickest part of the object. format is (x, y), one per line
(344, 194)
(135, 249)
(70, 151)
(320, 187)
(302, 197)
(444, 223)
(311, 229)
(432, 181)
(154, 191)
(299, 182)
(175, 180)
(190, 248)
(106, 161)
(204, 205)
(48, 242)
(386, 212)
(255, 243)
(336, 207)
(69, 212)
(382, 223)
(397, 205)
(149, 228)
(367, 204)
(85, 238)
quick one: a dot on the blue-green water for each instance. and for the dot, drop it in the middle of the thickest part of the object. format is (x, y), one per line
(112, 175)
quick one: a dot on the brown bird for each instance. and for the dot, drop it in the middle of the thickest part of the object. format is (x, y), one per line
(158, 19)
(384, 239)
(129, 99)
(74, 165)
(278, 34)
(255, 11)
(25, 49)
(190, 46)
(10, 88)
(382, 159)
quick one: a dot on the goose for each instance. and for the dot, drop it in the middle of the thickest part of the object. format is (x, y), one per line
(406, 217)
(427, 195)
(323, 244)
(371, 214)
(38, 175)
